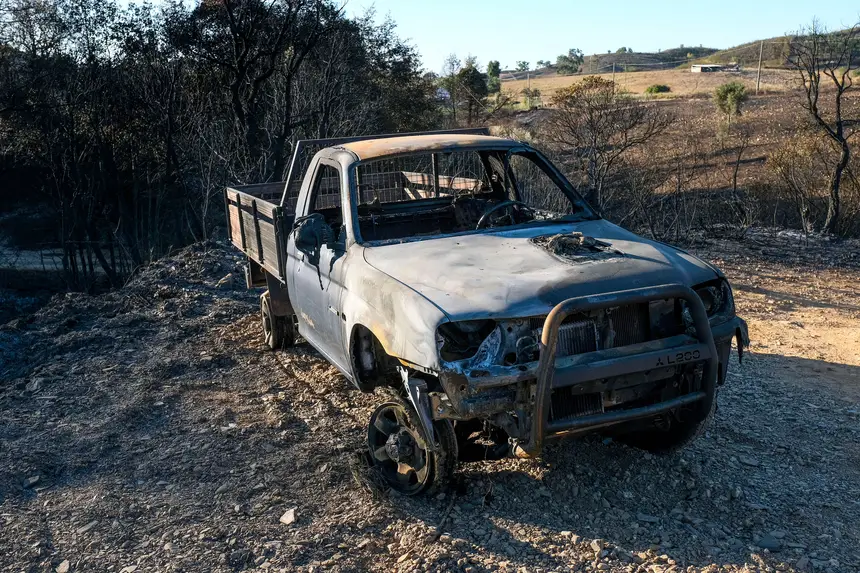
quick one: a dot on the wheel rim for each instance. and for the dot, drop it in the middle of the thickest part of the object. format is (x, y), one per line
(397, 449)
(267, 322)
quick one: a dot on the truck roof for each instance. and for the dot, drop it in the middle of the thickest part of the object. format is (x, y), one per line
(386, 146)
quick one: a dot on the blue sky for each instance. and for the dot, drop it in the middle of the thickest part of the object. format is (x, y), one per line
(531, 30)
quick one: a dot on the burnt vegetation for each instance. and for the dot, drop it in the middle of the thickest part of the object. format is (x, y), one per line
(122, 125)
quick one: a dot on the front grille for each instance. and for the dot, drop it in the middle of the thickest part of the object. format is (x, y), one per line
(630, 325)
(564, 404)
(610, 328)
(575, 337)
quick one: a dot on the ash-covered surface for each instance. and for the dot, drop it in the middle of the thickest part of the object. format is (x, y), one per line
(575, 247)
(149, 430)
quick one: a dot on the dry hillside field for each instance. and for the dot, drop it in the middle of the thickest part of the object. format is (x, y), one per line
(682, 82)
(148, 429)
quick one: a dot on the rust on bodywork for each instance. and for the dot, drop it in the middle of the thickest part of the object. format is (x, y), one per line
(374, 148)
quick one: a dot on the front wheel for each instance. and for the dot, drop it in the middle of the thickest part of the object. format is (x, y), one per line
(398, 449)
(672, 432)
(278, 331)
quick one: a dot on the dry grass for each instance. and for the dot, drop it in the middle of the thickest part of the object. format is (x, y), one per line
(681, 82)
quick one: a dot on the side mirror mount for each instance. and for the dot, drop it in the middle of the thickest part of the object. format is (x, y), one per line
(311, 233)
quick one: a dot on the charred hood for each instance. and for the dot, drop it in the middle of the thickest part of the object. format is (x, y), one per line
(525, 272)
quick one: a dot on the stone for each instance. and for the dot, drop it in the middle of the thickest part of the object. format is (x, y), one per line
(63, 567)
(222, 488)
(289, 516)
(403, 558)
(802, 563)
(597, 545)
(749, 461)
(770, 543)
(647, 518)
(32, 480)
(87, 527)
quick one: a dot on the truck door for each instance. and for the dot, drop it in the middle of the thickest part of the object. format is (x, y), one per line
(316, 286)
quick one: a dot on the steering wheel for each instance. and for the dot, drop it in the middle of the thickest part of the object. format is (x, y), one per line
(485, 218)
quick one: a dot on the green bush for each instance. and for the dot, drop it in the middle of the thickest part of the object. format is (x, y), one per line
(730, 97)
(657, 89)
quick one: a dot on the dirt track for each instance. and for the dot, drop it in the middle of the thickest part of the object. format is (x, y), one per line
(148, 430)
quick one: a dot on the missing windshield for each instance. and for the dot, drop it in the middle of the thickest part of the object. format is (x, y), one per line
(441, 193)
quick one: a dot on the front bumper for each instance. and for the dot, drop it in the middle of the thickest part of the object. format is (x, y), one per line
(527, 388)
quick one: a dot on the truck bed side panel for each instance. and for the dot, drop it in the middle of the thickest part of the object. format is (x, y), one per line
(256, 224)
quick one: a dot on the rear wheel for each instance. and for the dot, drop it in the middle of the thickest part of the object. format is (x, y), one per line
(278, 331)
(398, 449)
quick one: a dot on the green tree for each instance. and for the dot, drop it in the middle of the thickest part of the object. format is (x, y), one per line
(569, 63)
(494, 83)
(729, 98)
(621, 50)
(522, 66)
(474, 88)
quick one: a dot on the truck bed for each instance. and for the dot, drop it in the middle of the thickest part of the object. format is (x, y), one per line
(258, 225)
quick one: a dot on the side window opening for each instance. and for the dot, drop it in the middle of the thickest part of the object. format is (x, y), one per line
(536, 188)
(326, 197)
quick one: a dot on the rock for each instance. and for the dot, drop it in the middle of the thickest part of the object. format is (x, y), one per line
(31, 481)
(778, 534)
(647, 518)
(87, 527)
(239, 558)
(769, 542)
(802, 563)
(403, 557)
(597, 545)
(575, 539)
(289, 516)
(128, 569)
(63, 567)
(749, 461)
(222, 488)
(34, 385)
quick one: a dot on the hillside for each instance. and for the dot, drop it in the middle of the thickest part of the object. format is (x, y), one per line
(775, 52)
(681, 81)
(636, 61)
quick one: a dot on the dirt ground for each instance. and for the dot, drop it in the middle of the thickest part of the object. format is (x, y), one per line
(149, 430)
(680, 82)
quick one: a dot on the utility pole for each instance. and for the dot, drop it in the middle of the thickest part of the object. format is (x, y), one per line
(758, 76)
(529, 98)
(613, 78)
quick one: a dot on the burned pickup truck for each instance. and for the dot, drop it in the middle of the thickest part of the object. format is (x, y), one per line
(466, 274)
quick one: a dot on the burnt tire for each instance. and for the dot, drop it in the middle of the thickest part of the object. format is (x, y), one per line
(397, 448)
(672, 433)
(278, 331)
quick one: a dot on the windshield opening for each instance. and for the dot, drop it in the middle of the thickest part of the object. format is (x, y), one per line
(444, 193)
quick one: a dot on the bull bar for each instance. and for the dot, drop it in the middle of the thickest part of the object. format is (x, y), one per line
(700, 348)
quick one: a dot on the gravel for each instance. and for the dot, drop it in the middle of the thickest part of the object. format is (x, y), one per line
(163, 437)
